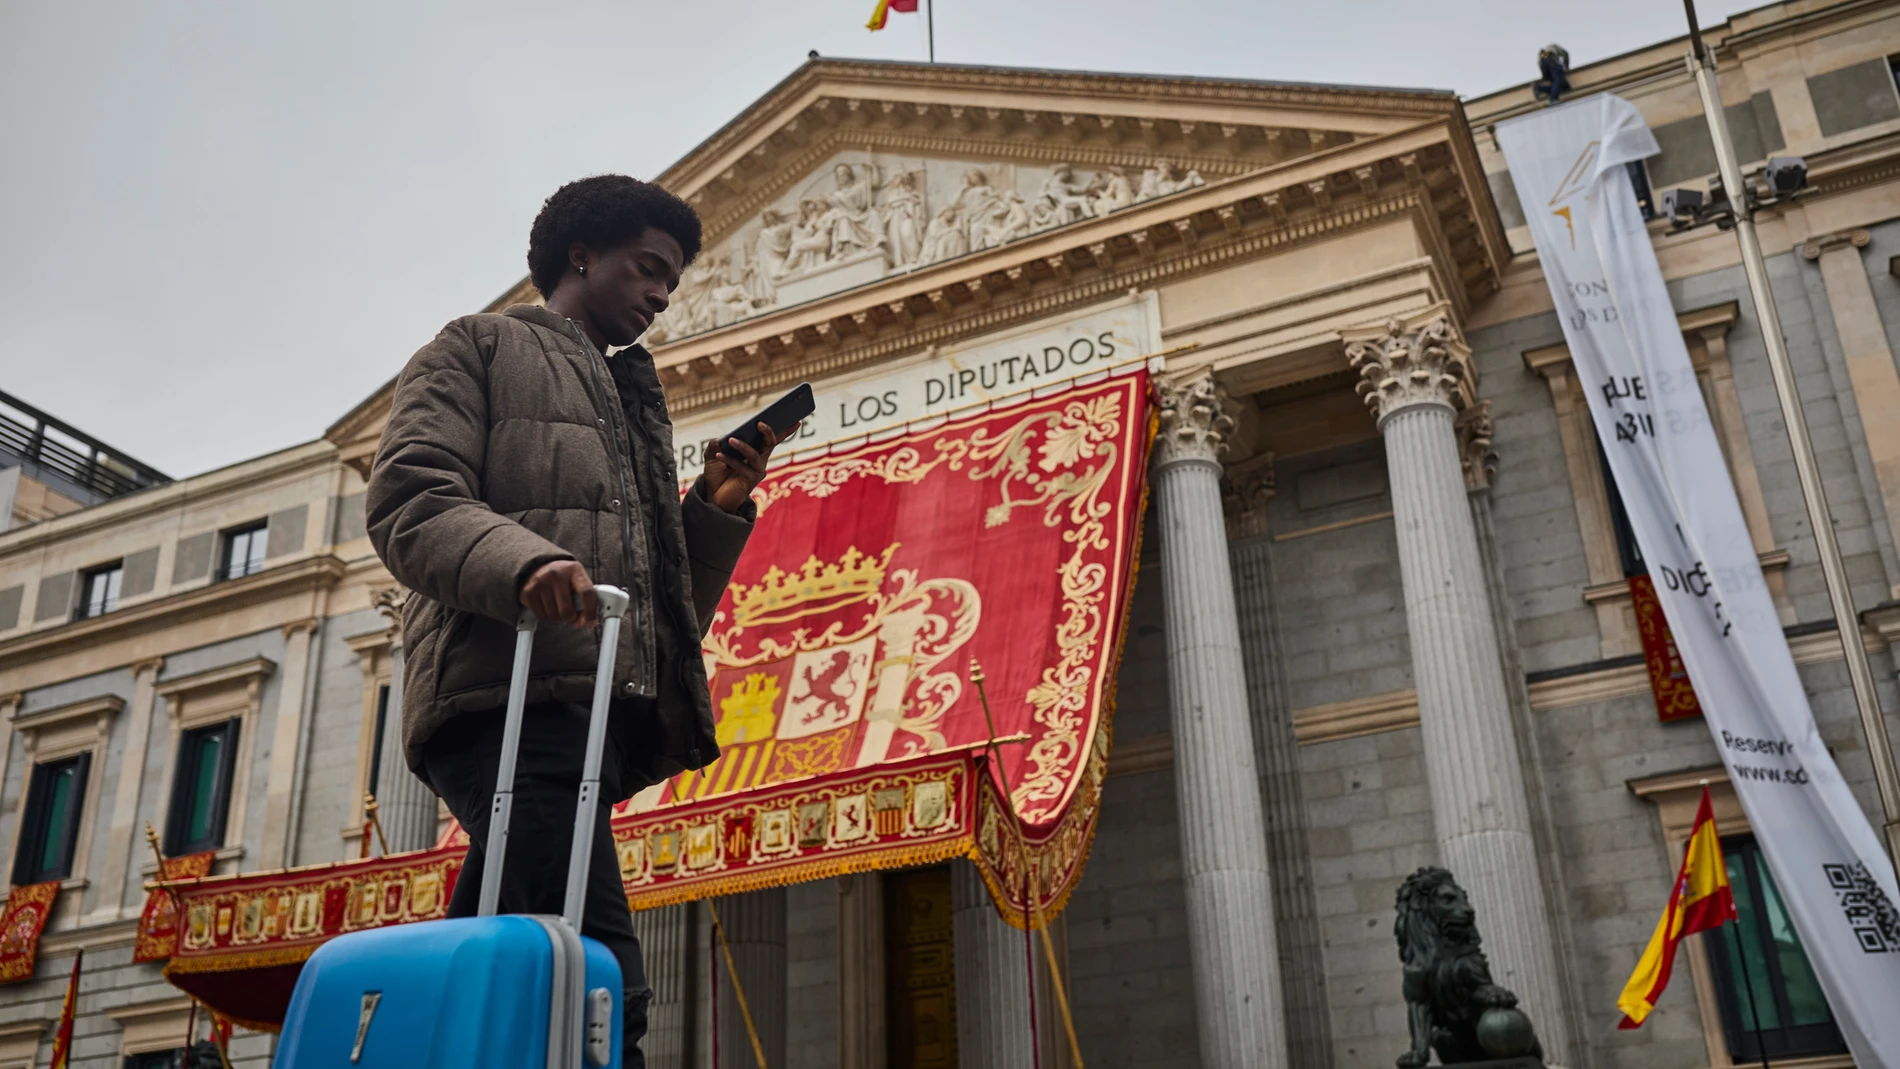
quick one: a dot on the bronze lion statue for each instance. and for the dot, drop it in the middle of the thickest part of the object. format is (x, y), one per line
(1448, 988)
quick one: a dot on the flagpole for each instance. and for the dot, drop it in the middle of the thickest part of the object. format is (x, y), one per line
(1748, 986)
(1807, 469)
(930, 27)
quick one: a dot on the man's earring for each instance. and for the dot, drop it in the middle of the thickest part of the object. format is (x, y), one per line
(582, 270)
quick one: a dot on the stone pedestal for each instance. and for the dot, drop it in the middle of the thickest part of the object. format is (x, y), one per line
(1415, 375)
(1223, 834)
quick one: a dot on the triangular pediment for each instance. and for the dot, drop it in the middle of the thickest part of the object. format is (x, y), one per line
(850, 172)
(865, 214)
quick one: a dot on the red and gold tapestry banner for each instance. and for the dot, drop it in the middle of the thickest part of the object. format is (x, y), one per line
(1668, 678)
(840, 656)
(158, 921)
(25, 917)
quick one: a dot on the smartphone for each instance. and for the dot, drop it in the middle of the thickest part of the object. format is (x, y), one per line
(781, 415)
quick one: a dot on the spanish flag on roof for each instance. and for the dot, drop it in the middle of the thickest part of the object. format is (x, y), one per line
(1701, 900)
(884, 9)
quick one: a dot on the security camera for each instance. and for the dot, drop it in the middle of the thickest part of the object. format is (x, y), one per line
(1679, 203)
(1785, 175)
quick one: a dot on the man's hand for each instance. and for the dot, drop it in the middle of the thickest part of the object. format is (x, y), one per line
(561, 592)
(735, 468)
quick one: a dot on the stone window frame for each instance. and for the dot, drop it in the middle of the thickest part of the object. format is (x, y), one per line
(1677, 796)
(146, 1027)
(375, 654)
(1705, 331)
(20, 1043)
(230, 692)
(54, 734)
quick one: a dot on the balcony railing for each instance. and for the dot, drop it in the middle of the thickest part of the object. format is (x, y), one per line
(69, 453)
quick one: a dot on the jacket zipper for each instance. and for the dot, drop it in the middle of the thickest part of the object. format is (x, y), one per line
(643, 669)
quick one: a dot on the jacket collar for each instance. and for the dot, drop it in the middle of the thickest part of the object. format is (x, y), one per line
(560, 324)
(540, 316)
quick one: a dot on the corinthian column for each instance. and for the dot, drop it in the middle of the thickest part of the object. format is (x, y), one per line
(1223, 834)
(1416, 376)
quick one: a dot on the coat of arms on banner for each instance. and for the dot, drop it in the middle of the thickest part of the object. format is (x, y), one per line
(845, 671)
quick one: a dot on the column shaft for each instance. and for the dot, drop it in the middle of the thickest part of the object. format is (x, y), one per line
(1223, 834)
(1297, 936)
(1479, 807)
(861, 981)
(669, 952)
(992, 978)
(286, 741)
(755, 930)
(404, 804)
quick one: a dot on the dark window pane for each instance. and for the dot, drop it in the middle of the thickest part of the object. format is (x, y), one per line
(243, 552)
(204, 788)
(1766, 990)
(100, 594)
(201, 789)
(56, 792)
(59, 810)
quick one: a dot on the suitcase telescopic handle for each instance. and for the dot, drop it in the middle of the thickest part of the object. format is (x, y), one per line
(613, 603)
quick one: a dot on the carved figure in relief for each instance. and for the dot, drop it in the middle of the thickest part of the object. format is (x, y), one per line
(1165, 178)
(905, 219)
(946, 237)
(1064, 197)
(851, 215)
(774, 252)
(811, 238)
(1112, 191)
(731, 297)
(974, 203)
(1008, 221)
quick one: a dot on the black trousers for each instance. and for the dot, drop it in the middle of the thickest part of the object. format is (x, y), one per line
(462, 761)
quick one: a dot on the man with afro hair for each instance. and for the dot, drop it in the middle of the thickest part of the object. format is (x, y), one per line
(524, 460)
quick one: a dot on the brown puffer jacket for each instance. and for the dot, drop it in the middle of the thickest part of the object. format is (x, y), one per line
(508, 446)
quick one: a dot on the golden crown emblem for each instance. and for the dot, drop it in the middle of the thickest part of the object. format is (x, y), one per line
(815, 587)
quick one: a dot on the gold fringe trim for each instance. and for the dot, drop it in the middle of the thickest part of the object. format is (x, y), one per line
(236, 960)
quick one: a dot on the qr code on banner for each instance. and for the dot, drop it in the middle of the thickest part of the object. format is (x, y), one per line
(1875, 923)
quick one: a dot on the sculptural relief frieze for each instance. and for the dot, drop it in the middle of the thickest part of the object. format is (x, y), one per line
(867, 216)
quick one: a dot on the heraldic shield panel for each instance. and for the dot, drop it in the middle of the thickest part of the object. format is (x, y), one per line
(850, 732)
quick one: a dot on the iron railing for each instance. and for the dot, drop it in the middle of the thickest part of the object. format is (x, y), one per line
(94, 466)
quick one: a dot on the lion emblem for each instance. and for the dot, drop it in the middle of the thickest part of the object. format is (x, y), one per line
(1448, 987)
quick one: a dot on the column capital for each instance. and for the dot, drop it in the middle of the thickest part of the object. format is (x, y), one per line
(388, 601)
(1194, 421)
(1857, 238)
(10, 704)
(305, 626)
(1475, 455)
(1417, 360)
(1246, 488)
(149, 666)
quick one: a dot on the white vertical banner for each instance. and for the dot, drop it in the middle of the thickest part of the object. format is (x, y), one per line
(1568, 163)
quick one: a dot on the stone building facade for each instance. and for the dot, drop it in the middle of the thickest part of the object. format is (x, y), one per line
(1366, 638)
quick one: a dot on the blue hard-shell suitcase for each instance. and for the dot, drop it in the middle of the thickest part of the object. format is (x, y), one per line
(512, 992)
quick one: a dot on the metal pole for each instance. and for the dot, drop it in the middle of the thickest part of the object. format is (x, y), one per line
(1820, 519)
(930, 27)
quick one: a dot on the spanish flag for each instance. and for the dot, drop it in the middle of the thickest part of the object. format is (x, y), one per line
(884, 9)
(63, 1039)
(1701, 900)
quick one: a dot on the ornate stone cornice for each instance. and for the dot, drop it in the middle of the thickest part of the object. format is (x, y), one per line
(1417, 361)
(1194, 422)
(1812, 248)
(1475, 454)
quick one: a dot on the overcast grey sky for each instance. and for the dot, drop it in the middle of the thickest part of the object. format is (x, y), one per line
(225, 224)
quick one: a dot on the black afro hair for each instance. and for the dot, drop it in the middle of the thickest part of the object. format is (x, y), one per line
(602, 212)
